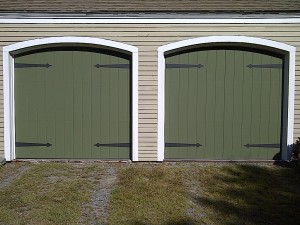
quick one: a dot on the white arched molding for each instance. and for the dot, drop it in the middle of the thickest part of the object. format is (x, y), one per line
(8, 82)
(287, 51)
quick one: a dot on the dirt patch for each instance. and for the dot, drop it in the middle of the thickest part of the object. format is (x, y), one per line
(95, 212)
(13, 175)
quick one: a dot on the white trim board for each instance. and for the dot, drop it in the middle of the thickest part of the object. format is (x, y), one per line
(8, 83)
(112, 20)
(289, 59)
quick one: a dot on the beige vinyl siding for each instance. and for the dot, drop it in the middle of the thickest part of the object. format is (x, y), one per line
(148, 38)
(113, 6)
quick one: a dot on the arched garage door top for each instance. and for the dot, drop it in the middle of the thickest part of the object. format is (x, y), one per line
(71, 40)
(287, 51)
(228, 40)
(8, 81)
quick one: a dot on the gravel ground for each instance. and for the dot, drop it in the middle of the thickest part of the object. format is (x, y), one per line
(95, 212)
(12, 175)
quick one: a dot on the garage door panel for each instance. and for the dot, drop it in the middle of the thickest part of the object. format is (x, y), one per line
(30, 105)
(275, 106)
(81, 65)
(113, 122)
(201, 102)
(103, 102)
(246, 106)
(229, 77)
(220, 104)
(237, 105)
(192, 104)
(87, 112)
(94, 92)
(74, 105)
(211, 104)
(255, 106)
(50, 104)
(265, 106)
(240, 96)
(68, 104)
(183, 107)
(114, 106)
(179, 106)
(172, 85)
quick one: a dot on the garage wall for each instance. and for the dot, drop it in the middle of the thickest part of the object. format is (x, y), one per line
(148, 38)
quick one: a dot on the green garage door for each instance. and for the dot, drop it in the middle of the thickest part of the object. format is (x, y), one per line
(72, 104)
(223, 104)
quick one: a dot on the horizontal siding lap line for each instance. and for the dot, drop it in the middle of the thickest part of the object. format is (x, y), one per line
(157, 41)
(152, 131)
(138, 25)
(147, 88)
(146, 153)
(148, 93)
(152, 106)
(153, 141)
(148, 102)
(148, 34)
(147, 126)
(147, 159)
(147, 97)
(150, 27)
(142, 144)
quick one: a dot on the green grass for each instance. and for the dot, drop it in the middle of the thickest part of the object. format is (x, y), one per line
(243, 194)
(153, 194)
(149, 195)
(213, 194)
(47, 193)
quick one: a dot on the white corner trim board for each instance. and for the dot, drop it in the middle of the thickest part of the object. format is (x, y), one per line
(8, 83)
(289, 59)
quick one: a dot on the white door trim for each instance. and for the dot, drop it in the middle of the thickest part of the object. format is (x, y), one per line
(8, 84)
(289, 59)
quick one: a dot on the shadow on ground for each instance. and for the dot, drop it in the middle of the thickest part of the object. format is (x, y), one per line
(172, 222)
(245, 194)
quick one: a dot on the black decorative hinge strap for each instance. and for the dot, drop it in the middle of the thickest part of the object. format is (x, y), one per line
(118, 66)
(262, 145)
(31, 65)
(173, 66)
(182, 145)
(30, 144)
(270, 66)
(124, 145)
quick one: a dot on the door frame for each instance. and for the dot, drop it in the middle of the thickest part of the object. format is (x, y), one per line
(8, 82)
(287, 51)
